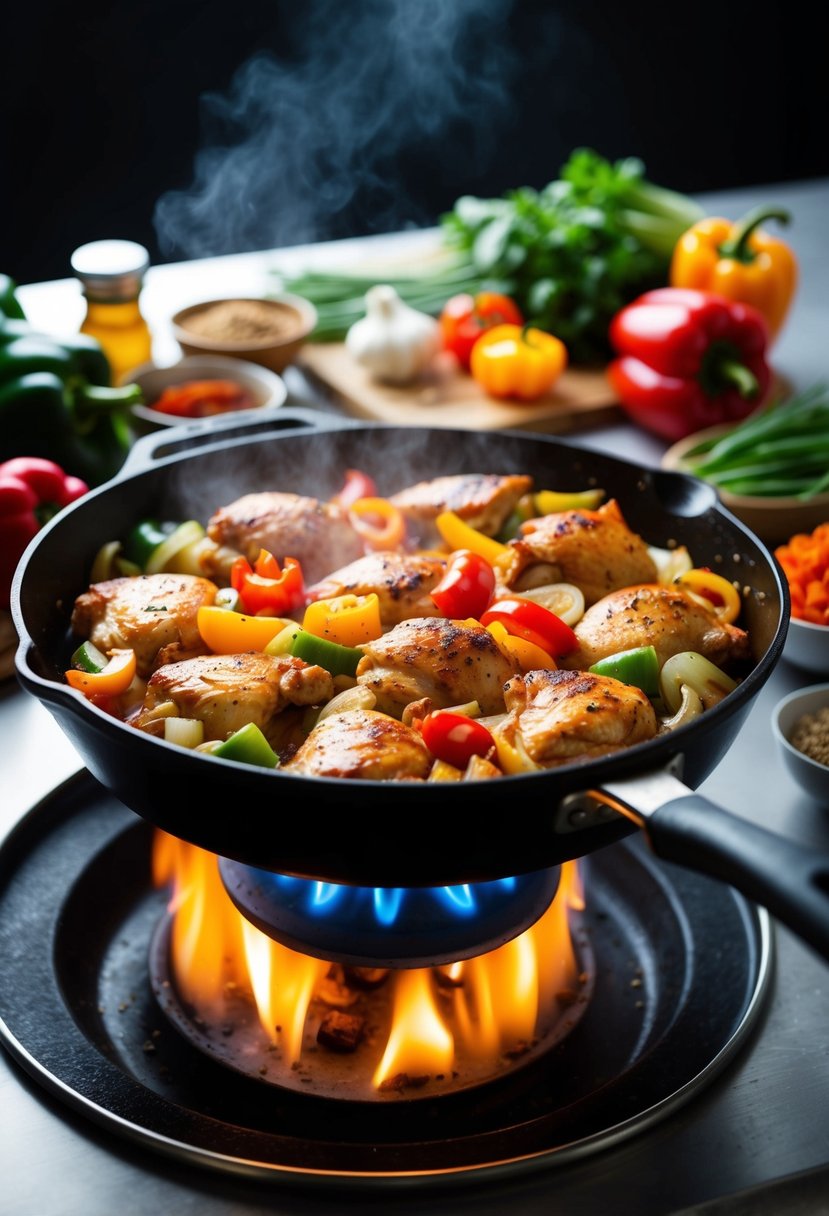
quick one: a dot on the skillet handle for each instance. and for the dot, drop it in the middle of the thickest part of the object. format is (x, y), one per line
(790, 880)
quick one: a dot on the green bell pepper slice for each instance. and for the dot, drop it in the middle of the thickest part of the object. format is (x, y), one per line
(639, 666)
(248, 746)
(319, 652)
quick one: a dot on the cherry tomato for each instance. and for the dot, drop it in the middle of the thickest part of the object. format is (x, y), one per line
(467, 586)
(526, 619)
(265, 587)
(455, 738)
(464, 318)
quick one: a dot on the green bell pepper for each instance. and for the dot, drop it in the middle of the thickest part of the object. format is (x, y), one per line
(249, 746)
(334, 658)
(56, 401)
(639, 666)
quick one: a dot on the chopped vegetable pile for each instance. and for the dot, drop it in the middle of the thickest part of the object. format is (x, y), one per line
(805, 562)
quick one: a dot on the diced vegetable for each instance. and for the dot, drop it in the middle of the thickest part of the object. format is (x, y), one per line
(379, 522)
(89, 658)
(339, 660)
(707, 680)
(805, 562)
(267, 587)
(459, 535)
(526, 619)
(248, 746)
(356, 485)
(346, 619)
(525, 654)
(564, 599)
(235, 632)
(142, 540)
(548, 502)
(466, 587)
(188, 533)
(455, 738)
(348, 700)
(717, 592)
(184, 732)
(110, 681)
(639, 666)
(229, 599)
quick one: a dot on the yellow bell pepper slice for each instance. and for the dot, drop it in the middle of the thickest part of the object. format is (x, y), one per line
(234, 633)
(459, 535)
(511, 755)
(345, 619)
(526, 655)
(717, 593)
(548, 502)
(111, 681)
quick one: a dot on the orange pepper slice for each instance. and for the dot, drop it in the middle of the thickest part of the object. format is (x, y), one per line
(114, 679)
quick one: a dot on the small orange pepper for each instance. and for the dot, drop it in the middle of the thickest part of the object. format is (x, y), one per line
(515, 361)
(111, 681)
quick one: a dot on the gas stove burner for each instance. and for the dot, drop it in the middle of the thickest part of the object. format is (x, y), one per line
(388, 927)
(668, 1013)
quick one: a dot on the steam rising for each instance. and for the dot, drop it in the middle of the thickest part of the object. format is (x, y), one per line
(371, 91)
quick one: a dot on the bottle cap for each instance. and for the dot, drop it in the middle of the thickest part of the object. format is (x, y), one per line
(111, 270)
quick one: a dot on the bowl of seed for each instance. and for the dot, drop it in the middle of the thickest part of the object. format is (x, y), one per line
(800, 723)
(269, 331)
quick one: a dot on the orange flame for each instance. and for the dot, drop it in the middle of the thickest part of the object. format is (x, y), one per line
(482, 1008)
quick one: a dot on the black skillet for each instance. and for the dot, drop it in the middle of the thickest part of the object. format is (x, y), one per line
(410, 833)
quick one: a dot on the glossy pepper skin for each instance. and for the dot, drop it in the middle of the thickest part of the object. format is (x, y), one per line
(739, 261)
(515, 362)
(687, 360)
(56, 402)
(31, 491)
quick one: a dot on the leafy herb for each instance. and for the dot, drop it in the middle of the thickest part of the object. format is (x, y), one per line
(782, 451)
(571, 254)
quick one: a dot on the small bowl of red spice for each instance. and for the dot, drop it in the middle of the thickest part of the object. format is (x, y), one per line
(267, 331)
(200, 388)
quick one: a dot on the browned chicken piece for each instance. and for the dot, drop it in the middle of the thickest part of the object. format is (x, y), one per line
(225, 691)
(363, 743)
(402, 582)
(436, 658)
(153, 614)
(319, 535)
(483, 500)
(564, 716)
(595, 550)
(665, 617)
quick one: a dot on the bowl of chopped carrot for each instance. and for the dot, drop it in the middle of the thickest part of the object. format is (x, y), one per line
(200, 388)
(804, 559)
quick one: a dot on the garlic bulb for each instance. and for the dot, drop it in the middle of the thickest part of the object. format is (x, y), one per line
(393, 341)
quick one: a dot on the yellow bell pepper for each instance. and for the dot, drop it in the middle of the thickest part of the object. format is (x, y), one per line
(549, 502)
(514, 361)
(459, 535)
(525, 654)
(719, 595)
(347, 620)
(739, 261)
(234, 632)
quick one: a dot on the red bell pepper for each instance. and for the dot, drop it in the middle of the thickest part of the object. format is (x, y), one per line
(32, 490)
(526, 619)
(267, 588)
(455, 738)
(687, 360)
(356, 485)
(467, 585)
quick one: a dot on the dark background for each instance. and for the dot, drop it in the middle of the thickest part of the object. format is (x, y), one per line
(201, 128)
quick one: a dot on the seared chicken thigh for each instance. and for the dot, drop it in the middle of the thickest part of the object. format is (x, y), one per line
(153, 614)
(362, 743)
(573, 715)
(225, 691)
(432, 657)
(595, 550)
(665, 617)
(483, 500)
(402, 582)
(319, 535)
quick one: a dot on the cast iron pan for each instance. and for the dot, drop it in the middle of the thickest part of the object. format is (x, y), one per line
(408, 833)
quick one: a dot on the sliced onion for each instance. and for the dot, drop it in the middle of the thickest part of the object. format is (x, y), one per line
(690, 706)
(103, 564)
(564, 599)
(707, 680)
(347, 701)
(670, 563)
(185, 732)
(185, 534)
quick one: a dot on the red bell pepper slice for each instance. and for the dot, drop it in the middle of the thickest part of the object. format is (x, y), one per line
(32, 490)
(357, 485)
(687, 360)
(526, 619)
(466, 587)
(455, 738)
(265, 587)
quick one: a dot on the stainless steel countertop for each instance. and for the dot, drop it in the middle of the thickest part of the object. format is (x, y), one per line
(763, 1118)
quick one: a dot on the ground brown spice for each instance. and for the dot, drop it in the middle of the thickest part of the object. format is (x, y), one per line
(811, 735)
(254, 321)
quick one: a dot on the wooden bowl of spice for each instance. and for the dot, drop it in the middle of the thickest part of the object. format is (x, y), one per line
(801, 727)
(267, 331)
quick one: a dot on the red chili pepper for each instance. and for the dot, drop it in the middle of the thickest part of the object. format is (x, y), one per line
(532, 621)
(265, 587)
(464, 318)
(688, 360)
(455, 738)
(467, 586)
(32, 490)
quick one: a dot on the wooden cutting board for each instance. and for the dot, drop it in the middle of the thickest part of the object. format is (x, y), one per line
(445, 397)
